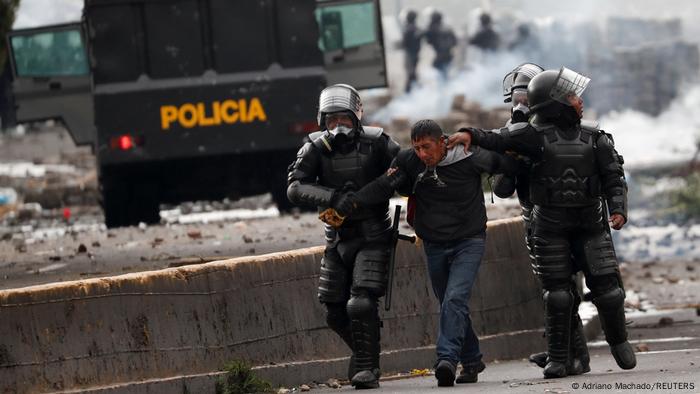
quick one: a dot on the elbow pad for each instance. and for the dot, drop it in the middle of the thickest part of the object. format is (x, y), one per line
(309, 194)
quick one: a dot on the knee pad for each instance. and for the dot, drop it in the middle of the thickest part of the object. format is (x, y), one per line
(599, 255)
(610, 300)
(370, 272)
(361, 307)
(558, 299)
(336, 316)
(334, 280)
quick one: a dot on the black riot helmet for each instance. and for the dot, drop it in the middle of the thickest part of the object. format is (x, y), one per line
(435, 17)
(340, 98)
(411, 16)
(554, 87)
(519, 78)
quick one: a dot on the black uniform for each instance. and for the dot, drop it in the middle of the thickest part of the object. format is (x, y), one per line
(411, 43)
(442, 39)
(354, 265)
(573, 168)
(486, 38)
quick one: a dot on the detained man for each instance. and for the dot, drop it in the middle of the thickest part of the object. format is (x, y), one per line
(450, 218)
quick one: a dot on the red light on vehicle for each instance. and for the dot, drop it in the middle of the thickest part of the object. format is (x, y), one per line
(303, 127)
(125, 142)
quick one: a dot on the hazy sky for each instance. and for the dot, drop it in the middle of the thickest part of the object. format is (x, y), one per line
(37, 12)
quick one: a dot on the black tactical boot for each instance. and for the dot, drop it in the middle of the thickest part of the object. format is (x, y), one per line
(612, 318)
(366, 379)
(558, 306)
(576, 366)
(365, 327)
(581, 360)
(555, 369)
(624, 355)
(540, 359)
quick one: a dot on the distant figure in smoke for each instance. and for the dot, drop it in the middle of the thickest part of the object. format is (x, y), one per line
(487, 39)
(411, 42)
(443, 40)
(525, 41)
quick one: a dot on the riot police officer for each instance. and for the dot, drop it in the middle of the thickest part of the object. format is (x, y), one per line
(515, 85)
(486, 38)
(575, 169)
(330, 166)
(442, 38)
(412, 37)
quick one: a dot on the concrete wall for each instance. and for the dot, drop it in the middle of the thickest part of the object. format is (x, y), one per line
(163, 325)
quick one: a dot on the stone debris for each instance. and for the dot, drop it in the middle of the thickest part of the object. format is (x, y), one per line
(333, 383)
(194, 234)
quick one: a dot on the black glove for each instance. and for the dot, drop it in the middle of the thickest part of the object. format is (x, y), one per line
(344, 203)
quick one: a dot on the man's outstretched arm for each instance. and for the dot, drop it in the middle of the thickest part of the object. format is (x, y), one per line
(519, 137)
(382, 188)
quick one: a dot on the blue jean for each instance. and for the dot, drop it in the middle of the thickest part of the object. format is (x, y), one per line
(452, 267)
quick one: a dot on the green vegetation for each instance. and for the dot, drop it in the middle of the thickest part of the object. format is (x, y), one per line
(686, 200)
(8, 11)
(240, 379)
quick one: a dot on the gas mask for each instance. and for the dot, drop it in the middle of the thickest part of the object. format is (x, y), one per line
(341, 137)
(520, 113)
(341, 129)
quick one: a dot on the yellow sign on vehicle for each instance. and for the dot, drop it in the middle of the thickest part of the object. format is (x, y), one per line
(200, 114)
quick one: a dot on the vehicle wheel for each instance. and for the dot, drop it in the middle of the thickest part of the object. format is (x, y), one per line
(144, 205)
(114, 200)
(128, 204)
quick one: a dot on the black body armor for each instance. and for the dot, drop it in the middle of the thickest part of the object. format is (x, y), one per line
(567, 175)
(354, 266)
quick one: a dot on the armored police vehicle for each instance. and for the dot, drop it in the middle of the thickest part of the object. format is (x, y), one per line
(193, 99)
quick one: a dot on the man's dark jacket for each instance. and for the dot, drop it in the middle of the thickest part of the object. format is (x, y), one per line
(449, 209)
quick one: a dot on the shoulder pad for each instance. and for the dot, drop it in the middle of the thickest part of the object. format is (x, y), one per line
(517, 128)
(601, 133)
(590, 125)
(314, 135)
(371, 132)
(304, 149)
(320, 141)
(541, 127)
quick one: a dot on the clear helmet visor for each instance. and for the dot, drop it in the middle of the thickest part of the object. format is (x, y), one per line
(519, 97)
(569, 83)
(508, 83)
(519, 78)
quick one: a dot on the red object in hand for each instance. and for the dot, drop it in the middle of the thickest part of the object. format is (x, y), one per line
(66, 213)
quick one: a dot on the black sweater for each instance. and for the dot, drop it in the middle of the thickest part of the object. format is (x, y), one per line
(446, 210)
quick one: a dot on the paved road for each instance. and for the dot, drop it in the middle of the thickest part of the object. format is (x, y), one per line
(670, 363)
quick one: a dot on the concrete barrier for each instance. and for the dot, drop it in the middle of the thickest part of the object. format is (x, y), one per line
(152, 331)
